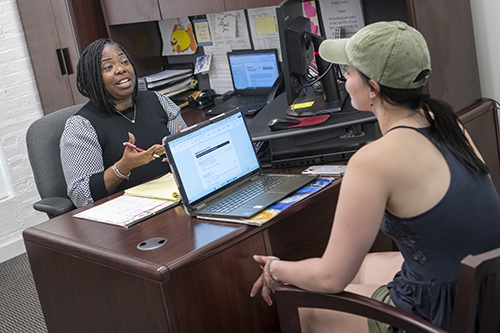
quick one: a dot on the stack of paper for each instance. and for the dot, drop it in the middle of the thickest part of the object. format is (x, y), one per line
(166, 77)
(137, 204)
(179, 87)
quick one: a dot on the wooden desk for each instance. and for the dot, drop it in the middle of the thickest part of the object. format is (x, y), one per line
(91, 277)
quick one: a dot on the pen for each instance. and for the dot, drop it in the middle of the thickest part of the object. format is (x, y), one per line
(128, 144)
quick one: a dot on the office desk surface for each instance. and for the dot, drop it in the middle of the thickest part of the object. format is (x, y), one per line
(91, 276)
(189, 240)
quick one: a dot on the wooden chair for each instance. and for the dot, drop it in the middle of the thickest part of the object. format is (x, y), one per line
(473, 271)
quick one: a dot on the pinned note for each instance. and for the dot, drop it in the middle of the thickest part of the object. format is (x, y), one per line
(344, 14)
(265, 25)
(225, 25)
(202, 32)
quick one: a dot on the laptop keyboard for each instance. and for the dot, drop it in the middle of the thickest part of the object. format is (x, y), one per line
(252, 191)
(246, 100)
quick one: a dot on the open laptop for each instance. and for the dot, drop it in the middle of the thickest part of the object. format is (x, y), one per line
(214, 162)
(254, 74)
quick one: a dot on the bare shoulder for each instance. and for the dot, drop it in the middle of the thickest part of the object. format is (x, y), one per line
(374, 154)
(391, 154)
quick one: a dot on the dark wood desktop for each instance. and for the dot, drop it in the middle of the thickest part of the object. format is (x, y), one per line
(91, 277)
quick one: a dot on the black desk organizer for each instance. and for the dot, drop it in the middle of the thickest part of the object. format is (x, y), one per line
(336, 139)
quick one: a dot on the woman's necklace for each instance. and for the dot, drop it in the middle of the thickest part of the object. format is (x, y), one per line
(124, 116)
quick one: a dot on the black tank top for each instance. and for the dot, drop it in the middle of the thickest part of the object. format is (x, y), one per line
(465, 221)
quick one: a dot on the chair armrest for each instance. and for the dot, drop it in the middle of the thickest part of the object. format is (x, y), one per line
(290, 298)
(54, 206)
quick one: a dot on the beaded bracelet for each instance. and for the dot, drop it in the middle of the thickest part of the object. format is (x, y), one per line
(119, 174)
(269, 269)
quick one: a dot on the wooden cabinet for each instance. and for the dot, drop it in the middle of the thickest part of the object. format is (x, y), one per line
(133, 11)
(175, 8)
(447, 27)
(448, 30)
(245, 4)
(56, 32)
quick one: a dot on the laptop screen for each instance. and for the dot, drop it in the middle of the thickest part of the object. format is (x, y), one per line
(213, 156)
(253, 69)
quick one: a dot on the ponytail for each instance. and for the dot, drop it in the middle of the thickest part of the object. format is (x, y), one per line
(445, 126)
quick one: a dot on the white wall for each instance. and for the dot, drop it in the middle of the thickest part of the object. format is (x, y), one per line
(485, 15)
(19, 107)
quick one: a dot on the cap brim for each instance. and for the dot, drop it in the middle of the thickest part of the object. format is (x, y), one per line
(334, 50)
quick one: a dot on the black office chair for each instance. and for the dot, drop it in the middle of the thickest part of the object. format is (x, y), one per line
(474, 270)
(42, 140)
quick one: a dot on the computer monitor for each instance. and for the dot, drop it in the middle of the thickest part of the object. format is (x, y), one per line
(298, 45)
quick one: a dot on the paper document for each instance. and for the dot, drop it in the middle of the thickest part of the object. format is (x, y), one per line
(220, 74)
(264, 28)
(137, 204)
(166, 74)
(202, 64)
(169, 81)
(238, 37)
(346, 15)
(160, 188)
(125, 210)
(177, 36)
(177, 88)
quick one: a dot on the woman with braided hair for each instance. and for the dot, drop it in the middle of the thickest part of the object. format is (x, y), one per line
(423, 183)
(94, 159)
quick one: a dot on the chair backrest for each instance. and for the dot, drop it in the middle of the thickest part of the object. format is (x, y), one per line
(479, 277)
(42, 140)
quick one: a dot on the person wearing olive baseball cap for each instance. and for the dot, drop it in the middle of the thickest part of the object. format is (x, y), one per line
(391, 53)
(422, 183)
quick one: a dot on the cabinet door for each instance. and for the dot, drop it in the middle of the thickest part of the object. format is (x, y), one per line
(43, 42)
(245, 4)
(447, 28)
(69, 48)
(176, 8)
(130, 11)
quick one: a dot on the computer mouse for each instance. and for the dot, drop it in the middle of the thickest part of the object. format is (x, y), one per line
(282, 122)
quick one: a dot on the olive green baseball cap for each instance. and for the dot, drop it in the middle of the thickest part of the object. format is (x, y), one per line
(391, 53)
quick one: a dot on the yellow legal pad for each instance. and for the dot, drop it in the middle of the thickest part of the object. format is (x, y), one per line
(160, 188)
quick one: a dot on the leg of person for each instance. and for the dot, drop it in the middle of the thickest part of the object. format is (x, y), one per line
(321, 320)
(379, 268)
(382, 295)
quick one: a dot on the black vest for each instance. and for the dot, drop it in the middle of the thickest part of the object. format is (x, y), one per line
(112, 130)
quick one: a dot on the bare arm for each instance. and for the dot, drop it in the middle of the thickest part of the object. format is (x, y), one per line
(362, 201)
(130, 160)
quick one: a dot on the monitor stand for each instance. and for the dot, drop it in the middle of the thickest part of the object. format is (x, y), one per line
(312, 104)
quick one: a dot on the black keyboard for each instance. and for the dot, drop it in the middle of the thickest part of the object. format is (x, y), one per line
(246, 100)
(250, 192)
